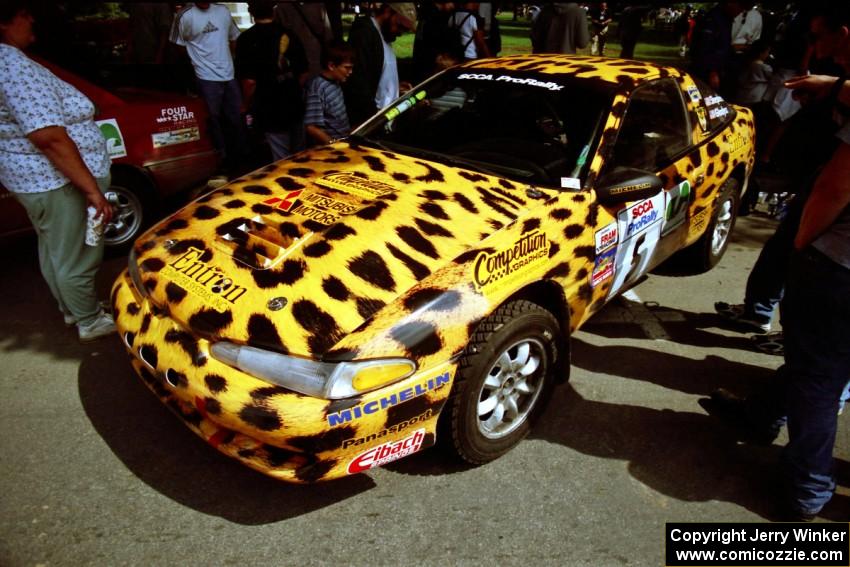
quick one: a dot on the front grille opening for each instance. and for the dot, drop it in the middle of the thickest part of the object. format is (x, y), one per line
(172, 377)
(148, 356)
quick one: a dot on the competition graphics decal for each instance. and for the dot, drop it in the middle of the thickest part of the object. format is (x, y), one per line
(676, 200)
(494, 272)
(640, 230)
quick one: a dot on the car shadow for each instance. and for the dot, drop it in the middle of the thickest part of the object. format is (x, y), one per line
(158, 449)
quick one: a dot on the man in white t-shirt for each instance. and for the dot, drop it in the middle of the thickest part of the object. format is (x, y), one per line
(471, 37)
(208, 33)
(746, 27)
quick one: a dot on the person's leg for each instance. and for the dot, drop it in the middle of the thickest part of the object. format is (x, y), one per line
(35, 206)
(816, 317)
(766, 281)
(237, 140)
(213, 94)
(280, 144)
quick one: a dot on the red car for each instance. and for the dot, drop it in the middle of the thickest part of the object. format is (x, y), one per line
(159, 146)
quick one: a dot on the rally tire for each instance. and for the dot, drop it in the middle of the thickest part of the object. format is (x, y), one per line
(509, 365)
(706, 252)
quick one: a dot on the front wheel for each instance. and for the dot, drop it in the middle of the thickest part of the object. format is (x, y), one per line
(504, 380)
(706, 252)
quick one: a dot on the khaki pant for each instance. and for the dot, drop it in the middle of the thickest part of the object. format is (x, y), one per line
(68, 265)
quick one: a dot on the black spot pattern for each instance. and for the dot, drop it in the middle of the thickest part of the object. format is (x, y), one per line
(146, 323)
(216, 383)
(289, 230)
(205, 213)
(401, 177)
(375, 164)
(261, 417)
(210, 321)
(432, 195)
(473, 177)
(415, 240)
(234, 204)
(314, 472)
(266, 392)
(713, 149)
(432, 229)
(335, 289)
(262, 209)
(573, 231)
(288, 274)
(366, 307)
(419, 270)
(257, 190)
(530, 224)
(592, 215)
(289, 184)
(212, 405)
(371, 212)
(152, 265)
(370, 267)
(133, 308)
(324, 330)
(561, 214)
(263, 333)
(176, 224)
(464, 202)
(588, 252)
(432, 175)
(278, 457)
(338, 232)
(434, 298)
(317, 249)
(434, 210)
(562, 270)
(419, 338)
(187, 342)
(326, 441)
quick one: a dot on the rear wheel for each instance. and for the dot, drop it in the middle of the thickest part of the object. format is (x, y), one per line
(504, 379)
(128, 195)
(706, 252)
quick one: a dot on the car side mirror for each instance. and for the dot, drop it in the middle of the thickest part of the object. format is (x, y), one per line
(626, 184)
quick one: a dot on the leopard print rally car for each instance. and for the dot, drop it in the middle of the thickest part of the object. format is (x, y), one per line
(420, 280)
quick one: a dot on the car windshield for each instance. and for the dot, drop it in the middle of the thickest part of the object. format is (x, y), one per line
(531, 128)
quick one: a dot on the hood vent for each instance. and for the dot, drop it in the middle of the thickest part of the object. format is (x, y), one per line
(261, 242)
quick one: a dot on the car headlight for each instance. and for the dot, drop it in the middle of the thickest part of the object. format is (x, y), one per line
(327, 380)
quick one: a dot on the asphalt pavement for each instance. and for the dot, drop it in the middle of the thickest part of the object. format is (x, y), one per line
(95, 471)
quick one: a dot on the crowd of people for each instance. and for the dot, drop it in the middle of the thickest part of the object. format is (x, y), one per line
(293, 79)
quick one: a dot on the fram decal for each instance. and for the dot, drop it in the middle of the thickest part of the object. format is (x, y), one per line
(208, 283)
(603, 269)
(350, 183)
(495, 270)
(397, 428)
(606, 238)
(389, 401)
(387, 452)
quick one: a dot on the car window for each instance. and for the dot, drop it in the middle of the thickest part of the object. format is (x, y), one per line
(655, 128)
(528, 129)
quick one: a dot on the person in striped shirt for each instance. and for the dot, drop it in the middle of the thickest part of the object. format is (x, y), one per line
(325, 117)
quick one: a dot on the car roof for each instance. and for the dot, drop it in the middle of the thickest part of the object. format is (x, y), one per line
(615, 72)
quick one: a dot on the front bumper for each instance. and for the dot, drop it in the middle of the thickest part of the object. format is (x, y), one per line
(279, 432)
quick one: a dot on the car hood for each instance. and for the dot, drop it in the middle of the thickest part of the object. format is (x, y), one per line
(297, 255)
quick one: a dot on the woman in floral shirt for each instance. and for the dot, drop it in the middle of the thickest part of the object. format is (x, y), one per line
(53, 159)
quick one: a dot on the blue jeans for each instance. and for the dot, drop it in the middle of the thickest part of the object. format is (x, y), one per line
(816, 321)
(766, 281)
(223, 99)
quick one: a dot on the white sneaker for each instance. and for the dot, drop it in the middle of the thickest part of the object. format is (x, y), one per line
(70, 320)
(100, 327)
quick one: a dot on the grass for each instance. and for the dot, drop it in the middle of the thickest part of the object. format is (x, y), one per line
(654, 45)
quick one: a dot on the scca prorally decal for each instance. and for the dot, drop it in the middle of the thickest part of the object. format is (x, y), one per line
(350, 183)
(495, 270)
(388, 452)
(389, 401)
(208, 283)
(641, 216)
(398, 428)
(516, 80)
(606, 238)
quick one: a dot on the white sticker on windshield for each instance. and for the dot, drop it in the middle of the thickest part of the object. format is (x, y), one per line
(718, 112)
(694, 93)
(712, 100)
(570, 183)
